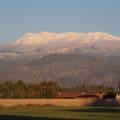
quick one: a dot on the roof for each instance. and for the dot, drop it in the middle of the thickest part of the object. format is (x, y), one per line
(76, 94)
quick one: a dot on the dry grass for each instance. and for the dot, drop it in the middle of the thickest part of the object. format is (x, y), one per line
(42, 102)
(48, 102)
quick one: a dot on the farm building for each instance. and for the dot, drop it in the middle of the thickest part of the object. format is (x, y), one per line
(75, 95)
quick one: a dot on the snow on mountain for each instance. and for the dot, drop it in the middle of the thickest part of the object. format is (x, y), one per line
(44, 38)
(39, 44)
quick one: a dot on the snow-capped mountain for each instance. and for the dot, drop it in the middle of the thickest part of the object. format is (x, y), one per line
(46, 37)
(91, 57)
(39, 44)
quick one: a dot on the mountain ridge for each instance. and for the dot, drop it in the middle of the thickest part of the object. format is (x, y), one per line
(45, 37)
(32, 45)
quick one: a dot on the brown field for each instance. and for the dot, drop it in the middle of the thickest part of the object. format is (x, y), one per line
(42, 102)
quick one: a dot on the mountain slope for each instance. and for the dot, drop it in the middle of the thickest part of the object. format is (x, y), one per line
(75, 69)
(68, 58)
(68, 70)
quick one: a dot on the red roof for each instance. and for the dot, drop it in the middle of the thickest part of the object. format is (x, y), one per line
(69, 95)
(77, 95)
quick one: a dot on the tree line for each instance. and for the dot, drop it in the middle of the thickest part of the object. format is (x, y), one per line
(22, 90)
(47, 89)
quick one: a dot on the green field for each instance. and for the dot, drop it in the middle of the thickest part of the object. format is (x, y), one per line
(59, 113)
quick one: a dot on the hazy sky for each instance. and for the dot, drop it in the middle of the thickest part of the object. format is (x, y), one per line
(18, 17)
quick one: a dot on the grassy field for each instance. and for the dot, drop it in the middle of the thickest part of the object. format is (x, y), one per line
(59, 109)
(59, 113)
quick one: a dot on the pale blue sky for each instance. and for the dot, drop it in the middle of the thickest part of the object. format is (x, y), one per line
(18, 17)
